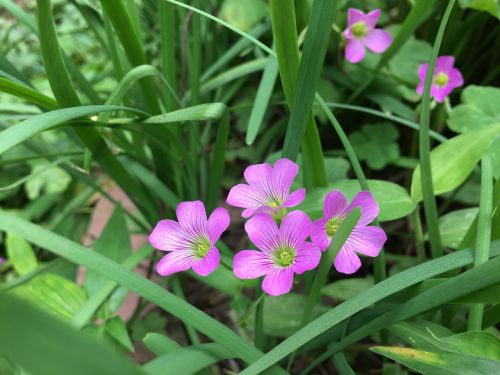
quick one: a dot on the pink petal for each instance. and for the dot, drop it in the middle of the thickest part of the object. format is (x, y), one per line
(455, 78)
(295, 228)
(347, 261)
(258, 173)
(334, 205)
(440, 93)
(251, 264)
(420, 88)
(366, 240)
(284, 172)
(378, 40)
(444, 64)
(318, 234)
(192, 218)
(173, 262)
(372, 17)
(354, 15)
(217, 224)
(295, 198)
(354, 51)
(422, 72)
(244, 196)
(369, 208)
(262, 231)
(307, 258)
(208, 264)
(168, 236)
(278, 281)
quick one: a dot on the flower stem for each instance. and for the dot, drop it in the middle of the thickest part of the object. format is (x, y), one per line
(260, 338)
(483, 237)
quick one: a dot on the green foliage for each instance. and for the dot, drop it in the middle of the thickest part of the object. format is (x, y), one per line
(490, 6)
(454, 225)
(243, 14)
(20, 254)
(376, 144)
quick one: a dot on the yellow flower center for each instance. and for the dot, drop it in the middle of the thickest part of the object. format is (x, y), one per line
(201, 247)
(332, 226)
(359, 29)
(284, 256)
(441, 79)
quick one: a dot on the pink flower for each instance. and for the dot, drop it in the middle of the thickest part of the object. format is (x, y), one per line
(268, 189)
(444, 80)
(284, 251)
(191, 241)
(364, 239)
(361, 33)
(2, 261)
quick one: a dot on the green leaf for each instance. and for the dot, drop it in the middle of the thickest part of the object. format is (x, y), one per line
(283, 314)
(201, 112)
(454, 225)
(347, 288)
(421, 334)
(20, 254)
(54, 346)
(439, 363)
(376, 144)
(159, 344)
(478, 344)
(490, 6)
(50, 180)
(243, 14)
(453, 160)
(152, 322)
(54, 294)
(187, 361)
(118, 330)
(393, 199)
(479, 110)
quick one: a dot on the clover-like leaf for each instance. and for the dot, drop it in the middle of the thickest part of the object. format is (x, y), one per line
(376, 144)
(243, 14)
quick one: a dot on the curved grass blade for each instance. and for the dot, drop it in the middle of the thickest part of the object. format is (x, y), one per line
(27, 93)
(150, 291)
(370, 296)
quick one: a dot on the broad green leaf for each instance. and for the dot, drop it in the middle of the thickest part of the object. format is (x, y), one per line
(453, 160)
(54, 346)
(490, 6)
(221, 279)
(54, 293)
(283, 314)
(393, 199)
(479, 109)
(20, 254)
(189, 360)
(479, 344)
(439, 363)
(118, 330)
(347, 288)
(243, 14)
(376, 144)
(152, 322)
(454, 225)
(421, 334)
(50, 180)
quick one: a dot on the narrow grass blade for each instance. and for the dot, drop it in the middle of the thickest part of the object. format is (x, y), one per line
(430, 209)
(483, 237)
(27, 93)
(262, 97)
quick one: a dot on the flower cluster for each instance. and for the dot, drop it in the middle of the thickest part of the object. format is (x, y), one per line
(281, 237)
(361, 33)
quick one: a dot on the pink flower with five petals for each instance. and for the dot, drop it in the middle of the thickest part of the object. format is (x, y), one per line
(444, 80)
(268, 188)
(190, 242)
(364, 239)
(284, 251)
(361, 33)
